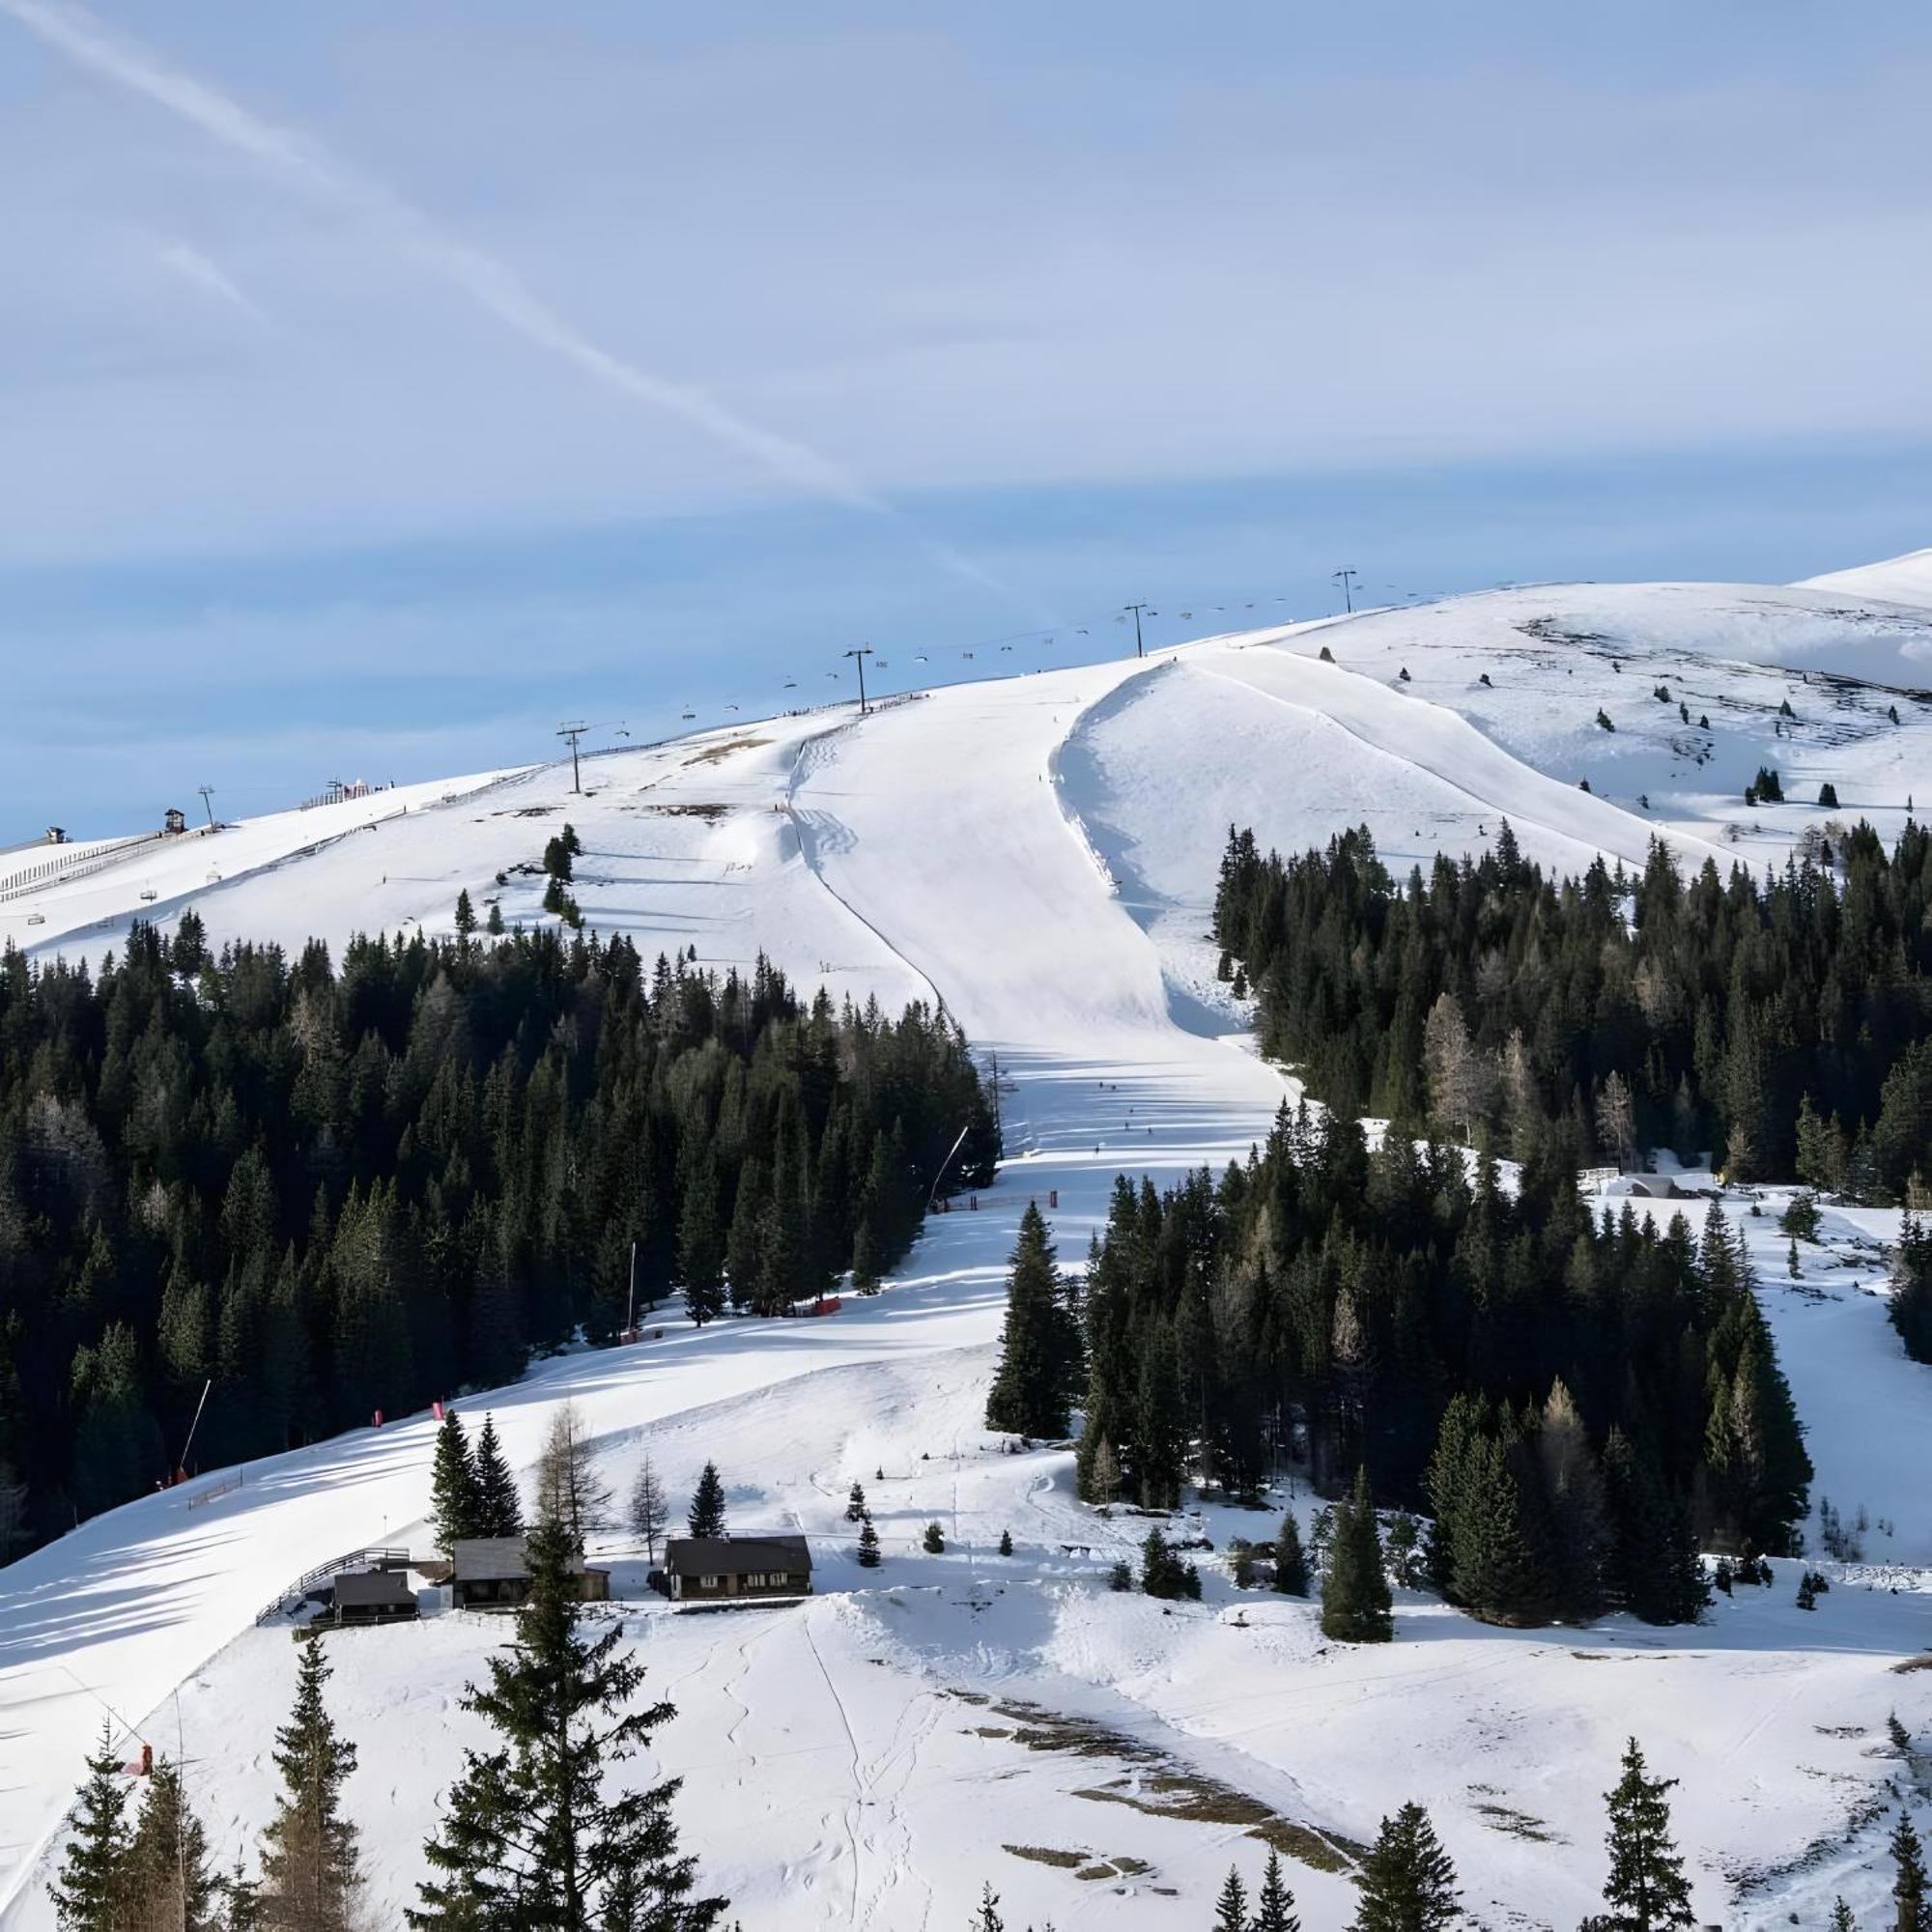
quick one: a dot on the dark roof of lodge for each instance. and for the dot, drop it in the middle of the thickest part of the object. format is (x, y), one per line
(494, 1559)
(373, 1586)
(488, 1558)
(735, 1556)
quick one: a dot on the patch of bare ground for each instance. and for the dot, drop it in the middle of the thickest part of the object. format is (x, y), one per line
(1160, 1785)
(711, 754)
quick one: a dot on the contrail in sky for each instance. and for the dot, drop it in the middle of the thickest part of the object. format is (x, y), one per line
(193, 265)
(492, 284)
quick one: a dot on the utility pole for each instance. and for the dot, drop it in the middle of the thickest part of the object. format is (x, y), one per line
(1136, 608)
(1346, 579)
(207, 793)
(859, 657)
(574, 732)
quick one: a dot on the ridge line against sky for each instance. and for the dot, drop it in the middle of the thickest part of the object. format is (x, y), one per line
(114, 56)
(300, 479)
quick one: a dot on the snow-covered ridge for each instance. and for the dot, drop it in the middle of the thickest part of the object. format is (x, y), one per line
(1498, 715)
(1898, 579)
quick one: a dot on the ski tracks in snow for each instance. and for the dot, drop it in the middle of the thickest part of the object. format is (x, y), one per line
(882, 1859)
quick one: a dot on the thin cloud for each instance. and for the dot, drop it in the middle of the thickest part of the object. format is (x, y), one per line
(193, 265)
(492, 284)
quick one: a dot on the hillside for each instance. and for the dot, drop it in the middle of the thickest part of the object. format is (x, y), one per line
(1040, 853)
(1898, 579)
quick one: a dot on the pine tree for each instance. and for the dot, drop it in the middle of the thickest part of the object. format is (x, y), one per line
(988, 1918)
(706, 1515)
(1356, 1607)
(1573, 1492)
(1005, 1542)
(465, 914)
(700, 1245)
(169, 1885)
(650, 1509)
(1654, 1548)
(1646, 1890)
(310, 1870)
(529, 1841)
(1841, 1920)
(934, 1541)
(855, 1505)
(1274, 1903)
(866, 1264)
(1912, 1908)
(1407, 1883)
(1230, 1908)
(243, 1900)
(868, 1545)
(1038, 1345)
(1290, 1566)
(1162, 1570)
(90, 1887)
(455, 1508)
(499, 1510)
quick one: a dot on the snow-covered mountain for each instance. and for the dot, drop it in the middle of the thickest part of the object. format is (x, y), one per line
(1898, 579)
(1040, 853)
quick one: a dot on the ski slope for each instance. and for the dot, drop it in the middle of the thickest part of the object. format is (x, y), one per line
(695, 841)
(1040, 852)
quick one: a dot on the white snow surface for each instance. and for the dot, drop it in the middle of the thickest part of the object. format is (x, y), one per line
(1040, 852)
(1898, 579)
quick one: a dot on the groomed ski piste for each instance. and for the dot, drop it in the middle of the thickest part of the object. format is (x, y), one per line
(1040, 853)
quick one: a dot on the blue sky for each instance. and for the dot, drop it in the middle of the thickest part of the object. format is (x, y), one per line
(379, 386)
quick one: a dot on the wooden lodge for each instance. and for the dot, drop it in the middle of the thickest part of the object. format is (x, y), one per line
(372, 1597)
(722, 1569)
(492, 1572)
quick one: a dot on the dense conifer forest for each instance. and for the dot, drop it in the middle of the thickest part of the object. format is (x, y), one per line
(1782, 1024)
(332, 1190)
(1580, 1405)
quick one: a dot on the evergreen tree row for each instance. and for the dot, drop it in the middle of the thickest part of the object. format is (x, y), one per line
(1579, 1406)
(155, 1873)
(1782, 1024)
(330, 1192)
